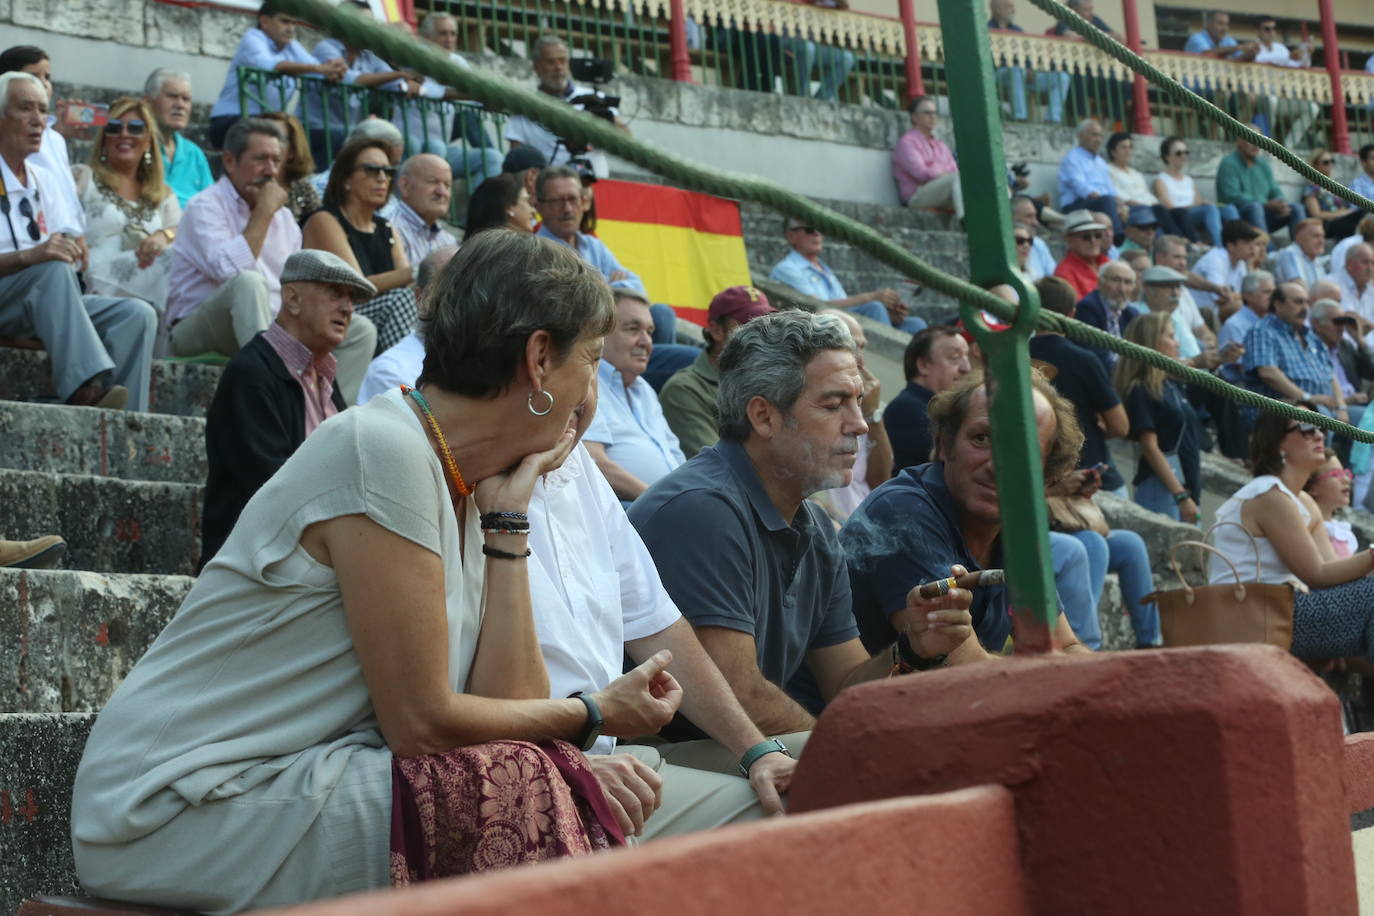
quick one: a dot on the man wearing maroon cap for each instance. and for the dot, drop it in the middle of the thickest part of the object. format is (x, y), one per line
(688, 398)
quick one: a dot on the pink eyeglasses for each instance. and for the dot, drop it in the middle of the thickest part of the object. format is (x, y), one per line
(1340, 473)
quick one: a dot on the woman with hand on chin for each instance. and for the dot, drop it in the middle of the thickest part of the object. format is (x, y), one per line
(353, 689)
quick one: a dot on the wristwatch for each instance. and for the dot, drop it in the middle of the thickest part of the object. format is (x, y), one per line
(907, 659)
(751, 756)
(594, 722)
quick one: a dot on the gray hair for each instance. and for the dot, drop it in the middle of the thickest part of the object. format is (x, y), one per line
(431, 22)
(415, 161)
(1322, 308)
(236, 140)
(1085, 124)
(553, 173)
(7, 79)
(153, 85)
(767, 358)
(1164, 243)
(1253, 280)
(547, 41)
(376, 129)
(1355, 249)
(1107, 265)
(431, 265)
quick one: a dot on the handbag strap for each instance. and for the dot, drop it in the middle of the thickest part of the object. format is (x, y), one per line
(1188, 589)
(1254, 545)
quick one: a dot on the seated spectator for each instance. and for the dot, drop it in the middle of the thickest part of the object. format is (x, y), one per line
(1227, 266)
(944, 516)
(1351, 363)
(184, 166)
(933, 361)
(1108, 248)
(1178, 193)
(1041, 262)
(101, 348)
(1364, 178)
(1330, 487)
(1012, 79)
(131, 214)
(1287, 359)
(370, 128)
(1245, 180)
(278, 388)
(873, 461)
(471, 154)
(63, 205)
(1364, 234)
(1214, 40)
(924, 167)
(1105, 307)
(765, 606)
(1163, 424)
(361, 520)
(1132, 191)
(1334, 598)
(1171, 251)
(525, 163)
(297, 167)
(688, 398)
(1338, 217)
(1141, 227)
(1085, 241)
(804, 271)
(424, 187)
(270, 45)
(629, 439)
(402, 364)
(1256, 291)
(500, 202)
(1303, 260)
(1355, 279)
(1084, 182)
(550, 60)
(349, 225)
(40, 553)
(559, 200)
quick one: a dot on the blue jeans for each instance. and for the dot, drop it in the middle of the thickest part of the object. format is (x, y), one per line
(473, 164)
(875, 310)
(1124, 553)
(1204, 217)
(1072, 579)
(1153, 495)
(832, 65)
(1012, 80)
(1254, 213)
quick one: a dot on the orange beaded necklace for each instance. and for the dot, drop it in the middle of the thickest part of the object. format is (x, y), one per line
(454, 475)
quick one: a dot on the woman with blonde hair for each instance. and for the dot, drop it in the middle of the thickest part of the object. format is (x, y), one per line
(297, 168)
(1338, 217)
(1162, 423)
(131, 212)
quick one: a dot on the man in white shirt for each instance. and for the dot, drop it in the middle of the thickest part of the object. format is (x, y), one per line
(1364, 181)
(63, 206)
(1171, 251)
(1227, 266)
(401, 364)
(551, 67)
(1275, 53)
(1302, 260)
(1355, 278)
(1255, 292)
(101, 348)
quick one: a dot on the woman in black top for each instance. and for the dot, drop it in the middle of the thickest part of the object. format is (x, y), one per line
(1162, 423)
(348, 226)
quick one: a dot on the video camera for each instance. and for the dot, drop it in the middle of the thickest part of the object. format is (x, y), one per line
(597, 71)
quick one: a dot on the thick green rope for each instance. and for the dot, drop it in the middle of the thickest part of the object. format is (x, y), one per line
(1181, 95)
(496, 92)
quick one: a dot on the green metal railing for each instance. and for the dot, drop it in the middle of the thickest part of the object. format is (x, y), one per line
(976, 119)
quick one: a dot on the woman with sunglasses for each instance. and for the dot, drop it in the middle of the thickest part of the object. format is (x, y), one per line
(1330, 488)
(1130, 184)
(1338, 217)
(1333, 608)
(1176, 191)
(348, 225)
(131, 212)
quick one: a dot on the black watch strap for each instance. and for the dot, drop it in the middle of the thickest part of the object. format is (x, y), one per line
(592, 731)
(910, 660)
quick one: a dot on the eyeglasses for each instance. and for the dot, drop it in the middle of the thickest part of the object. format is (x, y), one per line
(133, 128)
(1022, 240)
(26, 211)
(1305, 429)
(374, 170)
(1338, 473)
(809, 230)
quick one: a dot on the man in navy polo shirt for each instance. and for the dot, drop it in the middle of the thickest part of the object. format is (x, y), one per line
(925, 520)
(753, 564)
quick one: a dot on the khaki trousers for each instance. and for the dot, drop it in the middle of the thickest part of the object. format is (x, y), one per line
(944, 192)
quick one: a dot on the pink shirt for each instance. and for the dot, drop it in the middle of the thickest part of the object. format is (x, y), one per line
(918, 159)
(210, 249)
(315, 376)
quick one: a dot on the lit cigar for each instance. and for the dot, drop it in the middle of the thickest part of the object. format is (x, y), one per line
(980, 579)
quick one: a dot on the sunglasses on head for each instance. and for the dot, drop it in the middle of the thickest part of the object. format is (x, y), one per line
(133, 128)
(374, 170)
(809, 230)
(1339, 473)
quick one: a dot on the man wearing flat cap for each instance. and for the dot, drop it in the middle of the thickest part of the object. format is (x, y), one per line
(278, 388)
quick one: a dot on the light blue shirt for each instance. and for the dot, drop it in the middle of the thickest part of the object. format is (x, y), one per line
(805, 277)
(1363, 184)
(366, 62)
(1082, 173)
(595, 253)
(1292, 264)
(1041, 262)
(630, 424)
(1201, 42)
(187, 173)
(257, 50)
(1237, 326)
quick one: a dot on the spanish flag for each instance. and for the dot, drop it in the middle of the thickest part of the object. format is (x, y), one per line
(685, 246)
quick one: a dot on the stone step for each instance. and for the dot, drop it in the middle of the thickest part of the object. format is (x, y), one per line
(39, 753)
(184, 389)
(110, 525)
(1160, 533)
(105, 443)
(78, 634)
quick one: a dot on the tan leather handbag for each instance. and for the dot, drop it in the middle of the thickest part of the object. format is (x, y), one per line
(1213, 614)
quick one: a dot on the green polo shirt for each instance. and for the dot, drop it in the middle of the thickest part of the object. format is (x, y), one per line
(1238, 183)
(688, 400)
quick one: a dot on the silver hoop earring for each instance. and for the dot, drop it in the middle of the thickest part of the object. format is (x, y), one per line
(529, 402)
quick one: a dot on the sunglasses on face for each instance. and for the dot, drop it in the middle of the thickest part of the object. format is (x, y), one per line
(1338, 473)
(133, 128)
(1305, 429)
(1023, 240)
(374, 170)
(1090, 235)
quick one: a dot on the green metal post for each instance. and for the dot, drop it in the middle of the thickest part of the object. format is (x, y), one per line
(1015, 442)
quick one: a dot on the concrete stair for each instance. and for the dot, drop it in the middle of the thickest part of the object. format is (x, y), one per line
(184, 389)
(55, 438)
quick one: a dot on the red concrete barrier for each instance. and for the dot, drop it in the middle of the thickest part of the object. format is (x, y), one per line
(1359, 772)
(1180, 781)
(898, 856)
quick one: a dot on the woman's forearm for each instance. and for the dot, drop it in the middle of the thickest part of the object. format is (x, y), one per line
(392, 279)
(464, 719)
(508, 663)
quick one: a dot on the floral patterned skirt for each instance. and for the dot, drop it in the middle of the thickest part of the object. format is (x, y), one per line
(492, 806)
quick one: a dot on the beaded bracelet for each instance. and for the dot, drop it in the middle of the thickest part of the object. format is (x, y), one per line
(503, 554)
(522, 531)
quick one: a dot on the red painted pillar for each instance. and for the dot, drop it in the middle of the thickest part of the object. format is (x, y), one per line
(677, 42)
(1140, 98)
(914, 85)
(1340, 131)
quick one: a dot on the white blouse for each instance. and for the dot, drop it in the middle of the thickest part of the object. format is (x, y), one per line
(114, 229)
(1182, 192)
(1130, 185)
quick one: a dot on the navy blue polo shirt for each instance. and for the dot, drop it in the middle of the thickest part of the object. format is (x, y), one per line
(907, 422)
(728, 559)
(905, 533)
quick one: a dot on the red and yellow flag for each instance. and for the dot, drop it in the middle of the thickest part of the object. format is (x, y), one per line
(685, 246)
